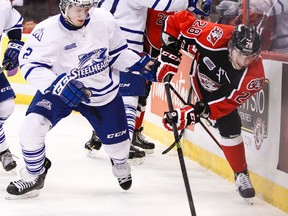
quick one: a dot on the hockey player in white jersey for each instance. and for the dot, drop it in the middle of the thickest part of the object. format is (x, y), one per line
(11, 24)
(131, 16)
(74, 59)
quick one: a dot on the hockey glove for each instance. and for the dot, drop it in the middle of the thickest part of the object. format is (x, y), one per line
(166, 65)
(70, 90)
(186, 115)
(200, 7)
(142, 66)
(11, 54)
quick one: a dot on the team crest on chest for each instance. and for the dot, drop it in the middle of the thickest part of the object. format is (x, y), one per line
(214, 35)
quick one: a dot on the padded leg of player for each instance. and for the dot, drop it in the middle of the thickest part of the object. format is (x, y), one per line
(6, 158)
(33, 131)
(93, 145)
(29, 185)
(118, 154)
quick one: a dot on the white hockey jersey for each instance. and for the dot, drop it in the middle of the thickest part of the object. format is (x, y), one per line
(131, 16)
(10, 18)
(88, 54)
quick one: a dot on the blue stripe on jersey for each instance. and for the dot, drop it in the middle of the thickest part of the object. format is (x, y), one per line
(37, 66)
(104, 93)
(135, 42)
(156, 3)
(113, 52)
(114, 5)
(132, 31)
(113, 60)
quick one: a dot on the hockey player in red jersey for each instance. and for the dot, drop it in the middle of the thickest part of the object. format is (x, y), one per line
(226, 71)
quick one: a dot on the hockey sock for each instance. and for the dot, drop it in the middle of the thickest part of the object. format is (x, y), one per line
(235, 156)
(139, 120)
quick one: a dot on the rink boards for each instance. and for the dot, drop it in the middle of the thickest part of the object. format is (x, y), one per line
(264, 128)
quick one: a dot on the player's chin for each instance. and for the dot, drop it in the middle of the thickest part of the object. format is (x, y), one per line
(79, 23)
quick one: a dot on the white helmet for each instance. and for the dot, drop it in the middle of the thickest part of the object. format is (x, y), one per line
(64, 5)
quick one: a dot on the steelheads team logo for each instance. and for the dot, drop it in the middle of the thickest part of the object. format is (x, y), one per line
(215, 34)
(91, 63)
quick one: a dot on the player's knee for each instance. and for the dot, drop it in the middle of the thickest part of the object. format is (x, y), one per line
(6, 109)
(119, 150)
(34, 129)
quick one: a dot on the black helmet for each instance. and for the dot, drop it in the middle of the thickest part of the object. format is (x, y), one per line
(246, 40)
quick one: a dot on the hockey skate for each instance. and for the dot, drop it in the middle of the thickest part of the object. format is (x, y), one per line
(136, 156)
(140, 141)
(123, 173)
(93, 145)
(7, 160)
(244, 186)
(29, 185)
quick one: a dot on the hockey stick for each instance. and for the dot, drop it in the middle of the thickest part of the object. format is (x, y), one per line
(201, 123)
(182, 131)
(261, 24)
(180, 152)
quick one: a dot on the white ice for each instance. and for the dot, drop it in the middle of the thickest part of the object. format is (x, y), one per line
(78, 185)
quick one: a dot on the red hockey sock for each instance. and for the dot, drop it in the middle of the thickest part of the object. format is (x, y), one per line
(139, 120)
(235, 156)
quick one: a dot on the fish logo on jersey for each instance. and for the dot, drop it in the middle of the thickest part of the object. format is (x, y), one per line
(38, 34)
(214, 35)
(91, 63)
(95, 56)
(255, 84)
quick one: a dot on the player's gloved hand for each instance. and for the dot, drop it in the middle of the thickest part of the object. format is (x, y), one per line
(11, 54)
(166, 65)
(186, 115)
(200, 7)
(145, 66)
(70, 90)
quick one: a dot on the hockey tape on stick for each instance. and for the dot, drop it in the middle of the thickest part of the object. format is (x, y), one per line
(3, 67)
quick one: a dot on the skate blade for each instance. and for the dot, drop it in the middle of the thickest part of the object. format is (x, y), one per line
(136, 161)
(28, 195)
(91, 153)
(148, 151)
(249, 201)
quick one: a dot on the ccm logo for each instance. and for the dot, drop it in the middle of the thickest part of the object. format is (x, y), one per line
(171, 56)
(118, 134)
(6, 89)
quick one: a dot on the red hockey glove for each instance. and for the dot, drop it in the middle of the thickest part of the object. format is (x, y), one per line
(166, 65)
(180, 116)
(186, 115)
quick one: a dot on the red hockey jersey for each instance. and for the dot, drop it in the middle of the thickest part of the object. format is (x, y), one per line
(154, 25)
(212, 76)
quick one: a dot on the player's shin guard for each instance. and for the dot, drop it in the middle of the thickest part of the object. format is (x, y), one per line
(29, 185)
